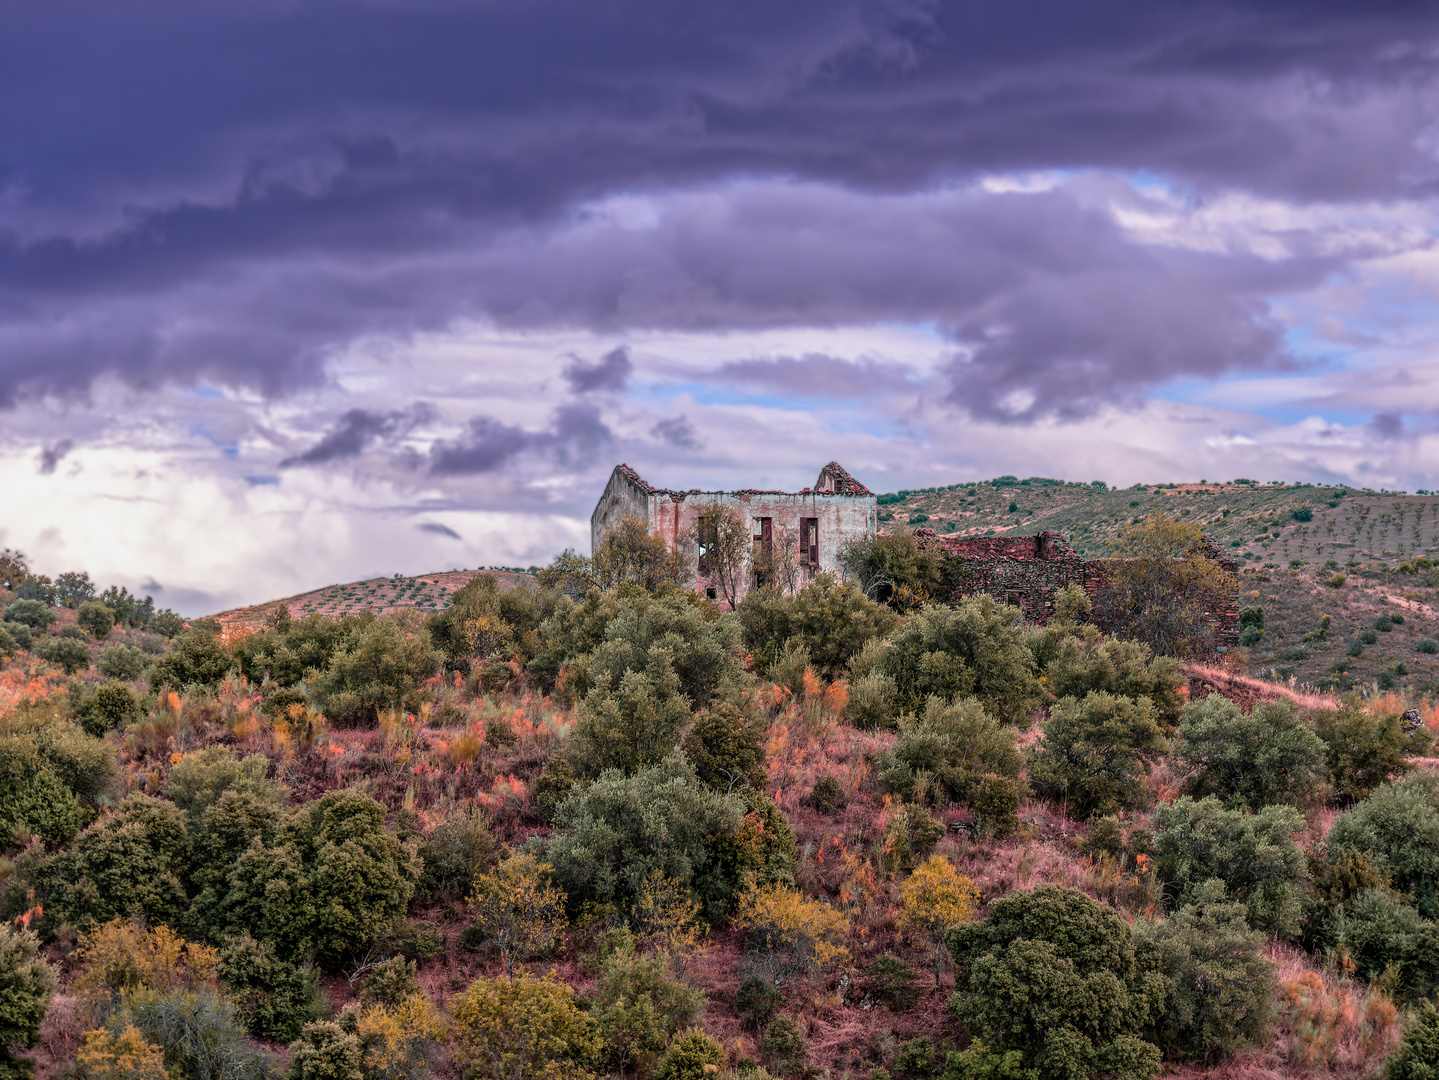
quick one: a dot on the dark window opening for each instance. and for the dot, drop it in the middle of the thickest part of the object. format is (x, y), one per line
(711, 593)
(809, 541)
(763, 551)
(708, 538)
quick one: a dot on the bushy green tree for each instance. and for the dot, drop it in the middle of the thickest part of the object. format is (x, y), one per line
(632, 721)
(276, 997)
(951, 748)
(335, 880)
(1397, 827)
(1219, 986)
(692, 1056)
(20, 632)
(978, 649)
(8, 645)
(1052, 982)
(1266, 756)
(700, 645)
(896, 570)
(1255, 855)
(726, 747)
(53, 777)
(1379, 936)
(123, 662)
(1084, 660)
(638, 1006)
(287, 650)
(197, 659)
(131, 862)
(523, 1028)
(1418, 1057)
(35, 614)
(1095, 752)
(325, 1050)
(26, 986)
(69, 653)
(483, 620)
(457, 849)
(96, 618)
(380, 664)
(832, 620)
(1361, 752)
(611, 835)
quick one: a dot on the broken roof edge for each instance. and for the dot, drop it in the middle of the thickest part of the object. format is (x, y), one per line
(843, 484)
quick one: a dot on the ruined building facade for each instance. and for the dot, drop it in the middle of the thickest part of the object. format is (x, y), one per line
(816, 521)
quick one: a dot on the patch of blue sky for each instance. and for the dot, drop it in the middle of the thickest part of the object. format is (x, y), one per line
(229, 447)
(262, 480)
(209, 393)
(703, 393)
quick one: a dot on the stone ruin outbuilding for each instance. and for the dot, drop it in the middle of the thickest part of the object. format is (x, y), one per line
(819, 521)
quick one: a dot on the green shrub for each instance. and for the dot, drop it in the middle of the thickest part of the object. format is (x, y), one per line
(522, 1028)
(197, 659)
(276, 997)
(20, 632)
(995, 805)
(1368, 637)
(27, 984)
(1255, 855)
(457, 848)
(677, 632)
(8, 645)
(1379, 936)
(110, 705)
(756, 1001)
(892, 983)
(1084, 660)
(336, 880)
(286, 649)
(690, 1057)
(910, 837)
(200, 1033)
(832, 621)
(96, 618)
(32, 613)
(785, 1043)
(609, 836)
(390, 982)
(633, 723)
(1418, 1057)
(52, 777)
(977, 649)
(1361, 751)
(382, 663)
(826, 796)
(956, 746)
(325, 1051)
(726, 747)
(123, 662)
(69, 653)
(1267, 756)
(1397, 827)
(1304, 513)
(637, 1007)
(1095, 752)
(1052, 982)
(1219, 986)
(872, 700)
(198, 780)
(1427, 645)
(129, 863)
(166, 623)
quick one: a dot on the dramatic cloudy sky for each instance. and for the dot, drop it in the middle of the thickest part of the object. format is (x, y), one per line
(294, 291)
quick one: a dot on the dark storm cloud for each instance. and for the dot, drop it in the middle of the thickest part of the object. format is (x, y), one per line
(678, 432)
(1387, 425)
(50, 455)
(357, 431)
(439, 530)
(816, 375)
(235, 192)
(575, 434)
(610, 372)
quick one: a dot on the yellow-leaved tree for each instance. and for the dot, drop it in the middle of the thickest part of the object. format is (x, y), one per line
(395, 1040)
(936, 897)
(517, 911)
(120, 1055)
(788, 935)
(523, 1028)
(122, 955)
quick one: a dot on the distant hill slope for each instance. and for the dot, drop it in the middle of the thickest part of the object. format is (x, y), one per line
(1255, 522)
(427, 592)
(1365, 536)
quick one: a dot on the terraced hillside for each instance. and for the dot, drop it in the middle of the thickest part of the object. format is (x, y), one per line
(425, 592)
(1259, 522)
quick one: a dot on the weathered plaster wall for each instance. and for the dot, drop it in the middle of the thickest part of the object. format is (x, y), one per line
(844, 508)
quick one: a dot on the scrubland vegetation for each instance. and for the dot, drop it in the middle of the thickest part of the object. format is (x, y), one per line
(600, 827)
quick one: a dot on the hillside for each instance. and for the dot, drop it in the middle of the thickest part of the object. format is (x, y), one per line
(427, 592)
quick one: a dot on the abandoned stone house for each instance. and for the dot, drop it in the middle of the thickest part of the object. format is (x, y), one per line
(815, 521)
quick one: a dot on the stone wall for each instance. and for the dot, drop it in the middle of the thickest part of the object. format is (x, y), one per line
(1027, 572)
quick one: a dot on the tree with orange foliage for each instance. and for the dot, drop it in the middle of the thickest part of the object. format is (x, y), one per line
(789, 935)
(936, 897)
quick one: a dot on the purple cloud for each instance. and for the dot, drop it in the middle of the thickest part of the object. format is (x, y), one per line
(610, 373)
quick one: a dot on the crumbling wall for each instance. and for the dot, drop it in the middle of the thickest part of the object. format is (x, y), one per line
(1027, 572)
